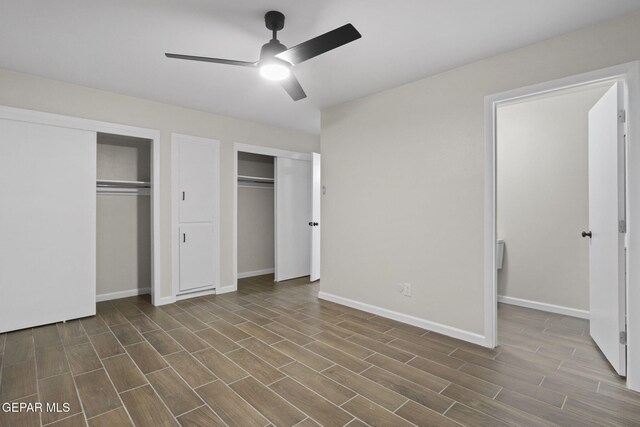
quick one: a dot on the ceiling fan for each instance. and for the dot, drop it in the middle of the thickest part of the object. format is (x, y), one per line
(276, 61)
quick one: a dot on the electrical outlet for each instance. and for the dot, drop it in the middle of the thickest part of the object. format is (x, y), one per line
(400, 287)
(407, 289)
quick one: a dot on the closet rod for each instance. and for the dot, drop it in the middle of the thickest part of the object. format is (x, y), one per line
(124, 191)
(255, 179)
(249, 185)
(108, 183)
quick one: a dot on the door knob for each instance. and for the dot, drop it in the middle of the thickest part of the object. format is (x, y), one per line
(586, 233)
(313, 224)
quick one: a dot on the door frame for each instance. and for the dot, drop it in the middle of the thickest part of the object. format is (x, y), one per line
(60, 120)
(629, 74)
(254, 149)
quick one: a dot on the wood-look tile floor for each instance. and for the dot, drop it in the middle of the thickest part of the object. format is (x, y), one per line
(273, 354)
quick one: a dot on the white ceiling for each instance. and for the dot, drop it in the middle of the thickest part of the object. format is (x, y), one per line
(119, 45)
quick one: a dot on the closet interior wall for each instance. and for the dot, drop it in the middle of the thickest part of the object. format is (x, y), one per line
(255, 215)
(123, 222)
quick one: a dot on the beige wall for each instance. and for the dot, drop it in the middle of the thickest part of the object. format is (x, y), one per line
(34, 93)
(404, 175)
(255, 229)
(123, 158)
(543, 197)
(250, 164)
(123, 244)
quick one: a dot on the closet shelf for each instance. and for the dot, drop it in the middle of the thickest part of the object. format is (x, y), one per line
(117, 187)
(255, 179)
(109, 183)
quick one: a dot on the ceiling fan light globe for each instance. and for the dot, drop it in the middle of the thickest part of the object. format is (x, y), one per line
(274, 71)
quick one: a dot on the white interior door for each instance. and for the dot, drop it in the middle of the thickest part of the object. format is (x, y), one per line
(195, 213)
(47, 224)
(198, 181)
(606, 210)
(316, 192)
(197, 256)
(293, 213)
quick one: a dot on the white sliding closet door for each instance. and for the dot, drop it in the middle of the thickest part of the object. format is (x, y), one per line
(316, 196)
(47, 224)
(293, 213)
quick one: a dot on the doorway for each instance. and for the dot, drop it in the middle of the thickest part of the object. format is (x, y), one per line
(628, 74)
(256, 215)
(290, 175)
(123, 216)
(551, 170)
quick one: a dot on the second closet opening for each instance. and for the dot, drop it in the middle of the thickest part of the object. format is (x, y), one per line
(256, 215)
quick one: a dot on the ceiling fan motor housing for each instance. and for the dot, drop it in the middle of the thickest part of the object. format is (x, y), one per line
(274, 20)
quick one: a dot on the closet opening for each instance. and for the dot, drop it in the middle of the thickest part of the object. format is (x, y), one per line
(123, 217)
(273, 220)
(256, 215)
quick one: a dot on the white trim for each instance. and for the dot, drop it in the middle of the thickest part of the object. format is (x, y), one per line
(176, 139)
(122, 294)
(275, 220)
(59, 120)
(405, 318)
(490, 233)
(633, 218)
(630, 73)
(194, 294)
(234, 219)
(255, 273)
(269, 151)
(165, 300)
(551, 308)
(226, 289)
(156, 293)
(175, 221)
(266, 151)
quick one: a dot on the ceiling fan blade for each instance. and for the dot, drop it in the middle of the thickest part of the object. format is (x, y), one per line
(293, 88)
(321, 44)
(216, 60)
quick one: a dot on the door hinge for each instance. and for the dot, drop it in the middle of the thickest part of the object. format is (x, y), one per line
(623, 337)
(622, 116)
(622, 226)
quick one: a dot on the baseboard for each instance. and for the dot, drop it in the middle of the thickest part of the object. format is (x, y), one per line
(122, 294)
(226, 289)
(405, 318)
(256, 273)
(558, 309)
(165, 300)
